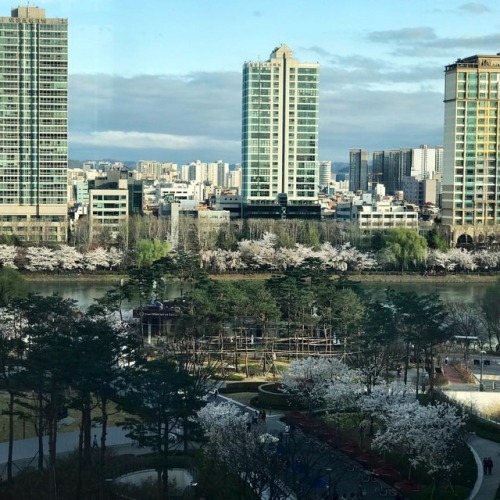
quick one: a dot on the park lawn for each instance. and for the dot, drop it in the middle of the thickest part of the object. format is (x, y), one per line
(115, 417)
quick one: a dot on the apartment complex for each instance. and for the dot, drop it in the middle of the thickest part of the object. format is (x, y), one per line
(34, 125)
(280, 130)
(392, 166)
(471, 181)
(108, 211)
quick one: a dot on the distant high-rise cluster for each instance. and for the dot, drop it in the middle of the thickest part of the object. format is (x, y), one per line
(358, 170)
(280, 130)
(34, 127)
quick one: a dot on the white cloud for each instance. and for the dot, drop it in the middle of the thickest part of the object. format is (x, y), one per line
(475, 8)
(148, 140)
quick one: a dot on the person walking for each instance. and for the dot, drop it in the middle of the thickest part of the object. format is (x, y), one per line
(490, 465)
(94, 443)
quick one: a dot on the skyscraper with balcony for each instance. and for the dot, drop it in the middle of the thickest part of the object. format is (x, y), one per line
(33, 125)
(280, 130)
(471, 172)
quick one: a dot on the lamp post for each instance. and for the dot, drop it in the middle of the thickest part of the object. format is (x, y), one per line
(481, 386)
(330, 492)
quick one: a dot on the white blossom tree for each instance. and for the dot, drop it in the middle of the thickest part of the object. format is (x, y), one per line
(68, 258)
(116, 257)
(462, 259)
(98, 258)
(487, 260)
(427, 435)
(41, 259)
(245, 449)
(309, 380)
(7, 255)
(384, 396)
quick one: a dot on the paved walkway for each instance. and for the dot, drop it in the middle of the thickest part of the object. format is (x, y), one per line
(486, 486)
(25, 451)
(452, 375)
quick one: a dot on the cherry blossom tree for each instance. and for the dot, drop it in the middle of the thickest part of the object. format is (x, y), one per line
(68, 258)
(428, 435)
(242, 447)
(97, 258)
(462, 259)
(309, 380)
(41, 259)
(487, 260)
(384, 396)
(7, 255)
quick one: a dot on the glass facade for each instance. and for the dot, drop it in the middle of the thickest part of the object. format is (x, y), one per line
(280, 129)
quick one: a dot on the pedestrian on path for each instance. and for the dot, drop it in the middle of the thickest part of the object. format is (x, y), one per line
(95, 444)
(485, 465)
(489, 465)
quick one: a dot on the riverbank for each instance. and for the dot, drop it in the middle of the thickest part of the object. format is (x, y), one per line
(112, 278)
(381, 278)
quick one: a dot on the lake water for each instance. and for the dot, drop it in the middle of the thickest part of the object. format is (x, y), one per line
(86, 291)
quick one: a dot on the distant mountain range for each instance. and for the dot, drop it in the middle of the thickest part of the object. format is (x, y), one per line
(340, 167)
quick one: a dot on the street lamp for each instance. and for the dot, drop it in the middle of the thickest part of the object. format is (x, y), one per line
(480, 344)
(330, 492)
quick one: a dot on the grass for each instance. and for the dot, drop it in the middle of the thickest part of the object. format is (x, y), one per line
(29, 429)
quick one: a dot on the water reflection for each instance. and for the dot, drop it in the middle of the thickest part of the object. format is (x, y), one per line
(448, 292)
(84, 292)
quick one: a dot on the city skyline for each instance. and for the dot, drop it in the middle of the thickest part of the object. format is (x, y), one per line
(178, 69)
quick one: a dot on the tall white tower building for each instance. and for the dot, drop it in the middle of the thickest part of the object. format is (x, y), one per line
(33, 125)
(280, 130)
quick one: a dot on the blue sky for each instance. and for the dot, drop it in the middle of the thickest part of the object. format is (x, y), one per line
(161, 79)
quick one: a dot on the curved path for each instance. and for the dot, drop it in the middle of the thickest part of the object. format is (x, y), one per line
(486, 485)
(25, 452)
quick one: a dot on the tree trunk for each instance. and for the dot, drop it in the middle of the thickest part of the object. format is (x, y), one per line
(80, 459)
(40, 432)
(52, 432)
(432, 371)
(407, 362)
(418, 376)
(104, 431)
(185, 433)
(11, 436)
(87, 429)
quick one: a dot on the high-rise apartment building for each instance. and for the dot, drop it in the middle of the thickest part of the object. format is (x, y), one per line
(358, 170)
(280, 130)
(471, 173)
(423, 162)
(391, 166)
(33, 125)
(325, 173)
